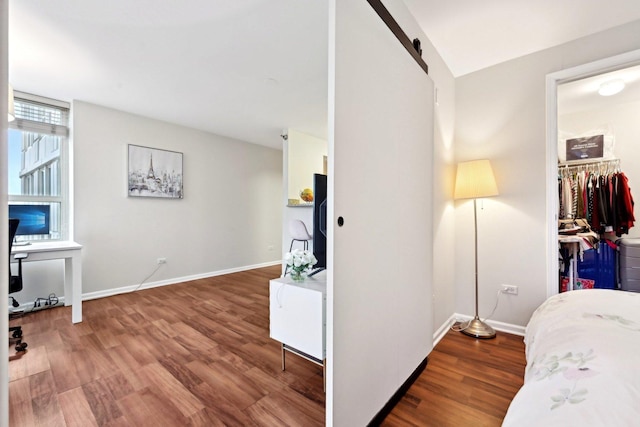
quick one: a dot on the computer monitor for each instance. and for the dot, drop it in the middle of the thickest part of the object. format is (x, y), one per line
(34, 219)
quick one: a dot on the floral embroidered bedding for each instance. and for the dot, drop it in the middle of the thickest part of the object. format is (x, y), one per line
(583, 362)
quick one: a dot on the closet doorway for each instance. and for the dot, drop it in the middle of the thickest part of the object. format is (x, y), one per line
(574, 109)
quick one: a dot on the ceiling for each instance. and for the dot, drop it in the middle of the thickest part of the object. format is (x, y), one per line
(471, 35)
(249, 69)
(582, 95)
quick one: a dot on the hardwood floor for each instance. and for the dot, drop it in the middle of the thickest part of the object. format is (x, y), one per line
(467, 382)
(192, 354)
(199, 354)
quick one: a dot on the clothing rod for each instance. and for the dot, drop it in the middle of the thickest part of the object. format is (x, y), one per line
(609, 162)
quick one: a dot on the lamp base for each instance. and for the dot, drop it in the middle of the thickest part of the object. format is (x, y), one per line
(478, 329)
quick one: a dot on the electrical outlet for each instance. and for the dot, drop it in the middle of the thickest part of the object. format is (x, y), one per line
(162, 260)
(510, 289)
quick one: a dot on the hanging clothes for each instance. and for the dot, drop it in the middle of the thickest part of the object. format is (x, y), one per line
(624, 206)
(566, 197)
(602, 197)
(603, 202)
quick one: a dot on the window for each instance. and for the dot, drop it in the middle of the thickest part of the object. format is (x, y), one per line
(37, 160)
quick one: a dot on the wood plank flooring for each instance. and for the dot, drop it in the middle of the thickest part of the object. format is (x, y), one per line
(191, 354)
(467, 382)
(199, 354)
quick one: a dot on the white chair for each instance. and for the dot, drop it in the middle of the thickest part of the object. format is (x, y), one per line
(299, 233)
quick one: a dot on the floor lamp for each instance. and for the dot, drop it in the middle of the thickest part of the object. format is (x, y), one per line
(475, 180)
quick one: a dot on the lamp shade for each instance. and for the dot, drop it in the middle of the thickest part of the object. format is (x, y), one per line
(475, 179)
(11, 110)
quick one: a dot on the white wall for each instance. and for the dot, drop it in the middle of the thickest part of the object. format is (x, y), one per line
(444, 262)
(229, 218)
(500, 115)
(41, 279)
(305, 158)
(308, 149)
(4, 227)
(623, 120)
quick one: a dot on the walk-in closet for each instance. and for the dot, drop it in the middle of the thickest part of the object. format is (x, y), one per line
(598, 177)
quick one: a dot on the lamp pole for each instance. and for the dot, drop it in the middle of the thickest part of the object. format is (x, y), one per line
(476, 327)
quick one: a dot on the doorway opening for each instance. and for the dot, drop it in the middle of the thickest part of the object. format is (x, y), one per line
(555, 82)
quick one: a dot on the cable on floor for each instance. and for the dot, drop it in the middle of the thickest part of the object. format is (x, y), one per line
(460, 329)
(44, 303)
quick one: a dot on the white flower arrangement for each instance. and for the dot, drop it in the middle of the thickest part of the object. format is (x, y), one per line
(300, 262)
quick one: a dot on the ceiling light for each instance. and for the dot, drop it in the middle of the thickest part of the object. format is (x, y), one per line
(611, 87)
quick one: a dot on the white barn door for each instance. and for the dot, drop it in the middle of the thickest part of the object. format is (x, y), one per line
(380, 178)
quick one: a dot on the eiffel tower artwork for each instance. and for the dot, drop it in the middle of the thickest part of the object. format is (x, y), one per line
(151, 174)
(154, 173)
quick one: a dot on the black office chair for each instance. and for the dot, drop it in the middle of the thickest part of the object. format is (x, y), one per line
(15, 285)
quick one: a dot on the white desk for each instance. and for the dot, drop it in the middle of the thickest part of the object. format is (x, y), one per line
(71, 253)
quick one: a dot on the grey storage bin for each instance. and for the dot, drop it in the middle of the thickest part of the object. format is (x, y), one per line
(629, 264)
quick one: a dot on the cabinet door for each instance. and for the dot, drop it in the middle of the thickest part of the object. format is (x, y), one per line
(296, 318)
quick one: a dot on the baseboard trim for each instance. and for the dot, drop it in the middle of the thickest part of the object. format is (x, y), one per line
(498, 326)
(508, 328)
(393, 401)
(443, 329)
(127, 289)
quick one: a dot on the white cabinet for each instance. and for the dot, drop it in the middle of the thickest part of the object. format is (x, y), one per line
(297, 316)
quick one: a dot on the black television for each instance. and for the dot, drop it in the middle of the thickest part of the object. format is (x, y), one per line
(320, 221)
(34, 219)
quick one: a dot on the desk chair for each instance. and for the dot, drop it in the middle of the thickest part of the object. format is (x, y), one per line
(15, 285)
(299, 233)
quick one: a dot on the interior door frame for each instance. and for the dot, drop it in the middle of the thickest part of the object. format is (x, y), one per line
(553, 80)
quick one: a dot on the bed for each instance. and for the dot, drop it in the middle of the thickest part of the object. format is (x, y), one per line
(583, 362)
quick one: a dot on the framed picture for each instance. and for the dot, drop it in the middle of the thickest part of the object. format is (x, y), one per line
(591, 147)
(154, 173)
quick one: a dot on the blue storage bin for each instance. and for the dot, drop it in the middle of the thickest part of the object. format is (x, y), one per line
(599, 265)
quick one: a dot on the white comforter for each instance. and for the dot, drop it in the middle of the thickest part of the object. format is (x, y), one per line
(583, 362)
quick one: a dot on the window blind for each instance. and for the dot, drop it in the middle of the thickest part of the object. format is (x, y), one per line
(35, 116)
